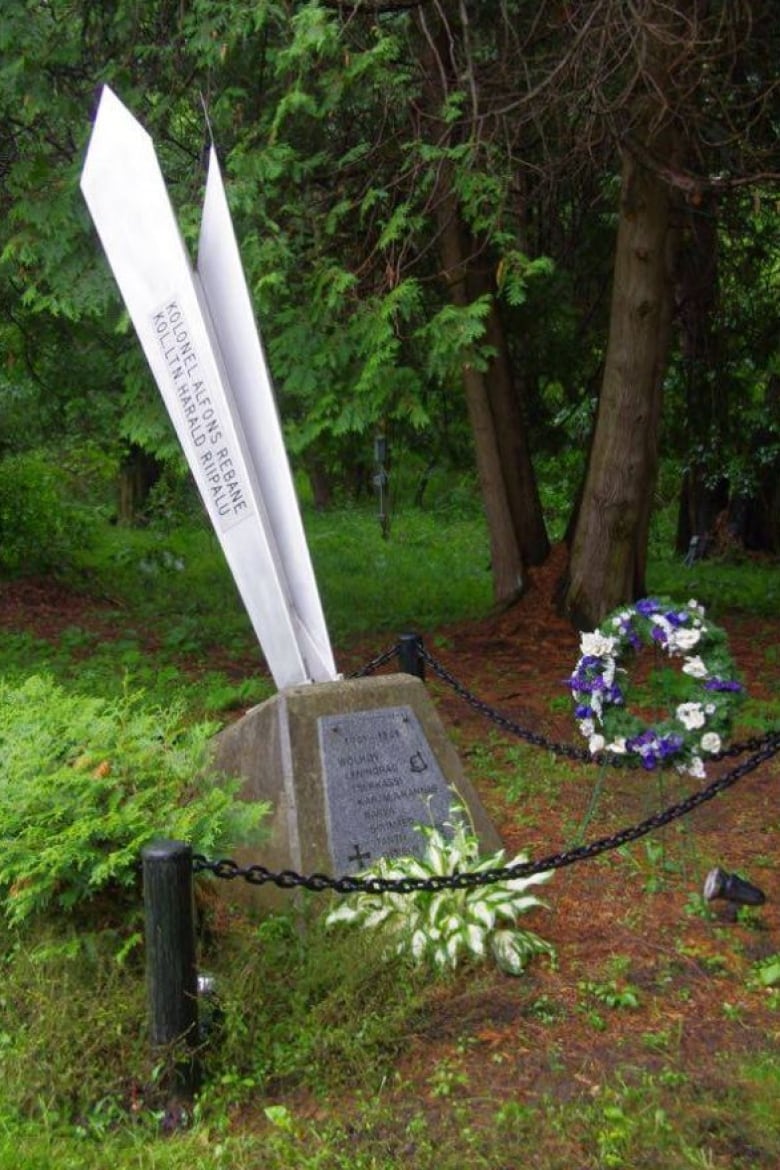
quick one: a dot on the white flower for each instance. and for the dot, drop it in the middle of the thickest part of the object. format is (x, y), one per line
(691, 716)
(596, 703)
(596, 644)
(621, 618)
(710, 741)
(684, 639)
(608, 673)
(709, 709)
(696, 768)
(596, 743)
(587, 727)
(694, 607)
(695, 668)
(618, 744)
(661, 621)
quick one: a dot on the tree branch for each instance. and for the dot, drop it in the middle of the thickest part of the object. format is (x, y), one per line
(692, 185)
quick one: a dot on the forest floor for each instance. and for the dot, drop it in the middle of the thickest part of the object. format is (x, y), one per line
(628, 919)
(648, 977)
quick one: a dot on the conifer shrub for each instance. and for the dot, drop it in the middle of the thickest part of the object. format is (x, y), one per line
(86, 782)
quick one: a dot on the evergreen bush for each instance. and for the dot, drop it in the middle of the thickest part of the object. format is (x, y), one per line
(86, 782)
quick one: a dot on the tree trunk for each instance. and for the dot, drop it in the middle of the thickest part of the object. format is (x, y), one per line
(138, 473)
(517, 470)
(609, 549)
(320, 481)
(506, 556)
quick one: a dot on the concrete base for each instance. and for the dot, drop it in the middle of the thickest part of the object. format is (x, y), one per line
(277, 749)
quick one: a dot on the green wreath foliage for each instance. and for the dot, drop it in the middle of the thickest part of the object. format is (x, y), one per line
(706, 692)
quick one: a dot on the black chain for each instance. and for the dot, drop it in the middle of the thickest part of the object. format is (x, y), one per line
(375, 663)
(288, 879)
(582, 755)
(764, 748)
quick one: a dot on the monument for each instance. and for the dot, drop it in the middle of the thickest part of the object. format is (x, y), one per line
(350, 767)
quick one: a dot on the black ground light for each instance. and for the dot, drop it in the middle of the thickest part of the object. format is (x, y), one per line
(719, 884)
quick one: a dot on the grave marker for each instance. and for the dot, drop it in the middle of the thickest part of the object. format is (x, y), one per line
(350, 767)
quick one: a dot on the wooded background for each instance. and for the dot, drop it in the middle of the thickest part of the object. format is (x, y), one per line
(520, 237)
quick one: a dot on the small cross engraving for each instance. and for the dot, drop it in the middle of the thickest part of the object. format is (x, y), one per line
(359, 858)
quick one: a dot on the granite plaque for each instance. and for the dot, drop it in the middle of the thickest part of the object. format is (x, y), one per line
(381, 780)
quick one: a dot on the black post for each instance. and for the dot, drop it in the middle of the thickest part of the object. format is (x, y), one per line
(170, 957)
(410, 659)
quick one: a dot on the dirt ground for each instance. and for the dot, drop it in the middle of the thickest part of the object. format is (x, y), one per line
(623, 920)
(630, 919)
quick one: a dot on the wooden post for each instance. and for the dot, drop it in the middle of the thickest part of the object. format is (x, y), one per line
(170, 957)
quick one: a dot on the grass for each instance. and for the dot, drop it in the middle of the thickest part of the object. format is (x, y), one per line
(330, 1059)
(637, 1119)
(168, 616)
(429, 571)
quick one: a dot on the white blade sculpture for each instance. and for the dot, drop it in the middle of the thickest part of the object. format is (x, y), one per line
(198, 333)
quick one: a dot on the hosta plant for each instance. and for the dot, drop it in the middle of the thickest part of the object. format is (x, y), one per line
(440, 927)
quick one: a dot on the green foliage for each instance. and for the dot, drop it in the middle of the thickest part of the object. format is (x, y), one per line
(85, 783)
(306, 1008)
(750, 587)
(41, 529)
(63, 992)
(515, 271)
(437, 928)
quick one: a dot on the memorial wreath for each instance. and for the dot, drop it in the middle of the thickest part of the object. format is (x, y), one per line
(705, 691)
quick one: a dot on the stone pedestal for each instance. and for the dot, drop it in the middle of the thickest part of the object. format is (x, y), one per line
(349, 768)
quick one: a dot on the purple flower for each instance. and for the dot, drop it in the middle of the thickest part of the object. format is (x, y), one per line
(669, 746)
(647, 606)
(722, 684)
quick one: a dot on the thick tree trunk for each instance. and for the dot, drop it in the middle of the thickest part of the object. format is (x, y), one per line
(609, 548)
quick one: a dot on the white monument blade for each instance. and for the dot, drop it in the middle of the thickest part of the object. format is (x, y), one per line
(222, 280)
(128, 201)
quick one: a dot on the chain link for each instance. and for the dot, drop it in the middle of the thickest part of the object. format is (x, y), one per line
(582, 755)
(318, 882)
(375, 663)
(763, 747)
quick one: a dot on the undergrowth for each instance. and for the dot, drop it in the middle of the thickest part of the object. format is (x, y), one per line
(329, 1056)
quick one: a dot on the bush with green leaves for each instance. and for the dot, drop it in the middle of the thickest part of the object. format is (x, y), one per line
(40, 529)
(86, 782)
(439, 927)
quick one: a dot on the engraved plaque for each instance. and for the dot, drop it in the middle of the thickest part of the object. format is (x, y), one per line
(381, 779)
